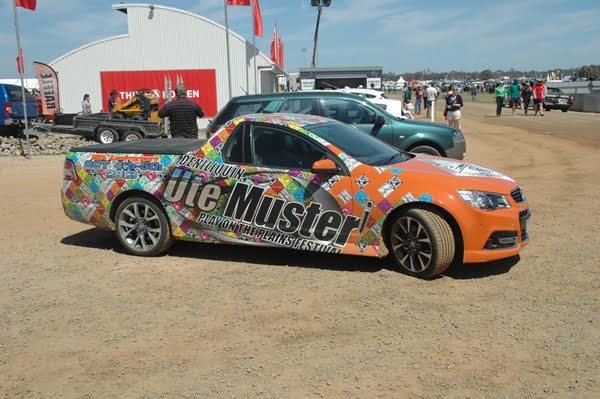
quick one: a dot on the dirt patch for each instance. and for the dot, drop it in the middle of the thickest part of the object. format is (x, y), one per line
(82, 319)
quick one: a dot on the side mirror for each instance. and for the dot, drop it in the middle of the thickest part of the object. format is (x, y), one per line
(324, 167)
(379, 121)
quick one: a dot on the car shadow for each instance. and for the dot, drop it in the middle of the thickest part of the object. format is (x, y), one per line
(103, 239)
(466, 271)
(106, 240)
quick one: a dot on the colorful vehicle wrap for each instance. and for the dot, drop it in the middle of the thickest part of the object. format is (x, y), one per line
(207, 199)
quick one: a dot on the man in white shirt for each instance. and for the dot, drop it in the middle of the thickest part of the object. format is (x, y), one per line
(430, 96)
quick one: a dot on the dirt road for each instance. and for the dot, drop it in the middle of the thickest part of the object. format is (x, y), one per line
(79, 318)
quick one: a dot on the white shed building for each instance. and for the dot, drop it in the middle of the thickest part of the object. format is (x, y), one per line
(164, 42)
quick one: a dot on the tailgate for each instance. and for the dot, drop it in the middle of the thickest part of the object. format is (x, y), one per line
(17, 109)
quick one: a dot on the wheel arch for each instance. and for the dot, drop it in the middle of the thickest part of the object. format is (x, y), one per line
(428, 143)
(129, 194)
(434, 208)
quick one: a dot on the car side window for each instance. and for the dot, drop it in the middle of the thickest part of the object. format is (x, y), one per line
(348, 111)
(249, 108)
(258, 107)
(300, 106)
(237, 147)
(276, 147)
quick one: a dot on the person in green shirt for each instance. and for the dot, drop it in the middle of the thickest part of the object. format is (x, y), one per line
(500, 94)
(514, 95)
(407, 98)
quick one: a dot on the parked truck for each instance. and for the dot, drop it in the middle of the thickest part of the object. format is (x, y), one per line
(12, 117)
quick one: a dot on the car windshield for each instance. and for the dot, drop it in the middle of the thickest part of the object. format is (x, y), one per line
(359, 145)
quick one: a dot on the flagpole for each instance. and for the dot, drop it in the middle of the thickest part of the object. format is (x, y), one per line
(254, 50)
(227, 44)
(22, 62)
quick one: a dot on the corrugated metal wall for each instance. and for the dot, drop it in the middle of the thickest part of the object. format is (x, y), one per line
(162, 38)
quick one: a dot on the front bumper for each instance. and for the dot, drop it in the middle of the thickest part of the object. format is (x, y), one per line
(458, 150)
(485, 229)
(560, 106)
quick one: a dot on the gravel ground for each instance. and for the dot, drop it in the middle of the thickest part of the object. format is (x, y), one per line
(80, 318)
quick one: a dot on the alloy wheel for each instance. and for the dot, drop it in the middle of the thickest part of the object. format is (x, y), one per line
(411, 244)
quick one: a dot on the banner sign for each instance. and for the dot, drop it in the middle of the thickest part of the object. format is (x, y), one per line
(307, 84)
(200, 83)
(376, 82)
(48, 82)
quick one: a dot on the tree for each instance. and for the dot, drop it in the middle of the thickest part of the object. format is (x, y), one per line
(486, 74)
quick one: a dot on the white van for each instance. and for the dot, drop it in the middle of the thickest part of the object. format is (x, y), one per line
(379, 98)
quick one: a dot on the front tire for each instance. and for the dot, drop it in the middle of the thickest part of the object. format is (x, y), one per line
(107, 135)
(142, 227)
(425, 149)
(421, 243)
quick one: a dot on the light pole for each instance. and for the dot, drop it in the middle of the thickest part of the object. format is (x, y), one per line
(320, 4)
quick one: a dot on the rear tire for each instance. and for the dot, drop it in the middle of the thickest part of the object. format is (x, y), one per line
(421, 243)
(131, 136)
(564, 110)
(142, 227)
(106, 135)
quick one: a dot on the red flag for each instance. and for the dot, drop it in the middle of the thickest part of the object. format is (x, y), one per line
(28, 4)
(258, 27)
(20, 62)
(274, 43)
(280, 53)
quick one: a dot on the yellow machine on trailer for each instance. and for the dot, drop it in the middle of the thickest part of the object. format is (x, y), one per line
(143, 106)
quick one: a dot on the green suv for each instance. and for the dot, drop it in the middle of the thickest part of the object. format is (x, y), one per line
(405, 134)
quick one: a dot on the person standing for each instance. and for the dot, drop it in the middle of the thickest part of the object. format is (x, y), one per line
(500, 94)
(418, 99)
(407, 98)
(474, 92)
(430, 96)
(538, 97)
(446, 107)
(182, 115)
(112, 100)
(454, 103)
(86, 106)
(514, 95)
(526, 94)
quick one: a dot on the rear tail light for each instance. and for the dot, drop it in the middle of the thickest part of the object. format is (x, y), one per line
(7, 109)
(69, 171)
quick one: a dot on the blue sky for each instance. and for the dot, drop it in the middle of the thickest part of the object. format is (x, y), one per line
(401, 36)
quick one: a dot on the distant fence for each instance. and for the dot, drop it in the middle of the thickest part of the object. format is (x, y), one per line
(586, 95)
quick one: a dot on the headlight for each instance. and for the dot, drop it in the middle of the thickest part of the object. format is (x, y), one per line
(483, 200)
(457, 134)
